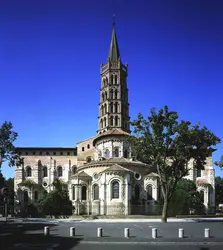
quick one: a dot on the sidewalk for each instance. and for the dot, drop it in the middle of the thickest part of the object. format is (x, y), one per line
(127, 220)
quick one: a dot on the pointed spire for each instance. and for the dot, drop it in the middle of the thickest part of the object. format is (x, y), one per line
(114, 53)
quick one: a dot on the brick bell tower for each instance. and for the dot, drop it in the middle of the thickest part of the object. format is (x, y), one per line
(113, 106)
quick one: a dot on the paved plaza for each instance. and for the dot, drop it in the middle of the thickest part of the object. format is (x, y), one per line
(28, 234)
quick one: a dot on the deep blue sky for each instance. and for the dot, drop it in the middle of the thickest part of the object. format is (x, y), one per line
(50, 53)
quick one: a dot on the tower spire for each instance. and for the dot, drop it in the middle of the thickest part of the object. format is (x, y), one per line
(114, 54)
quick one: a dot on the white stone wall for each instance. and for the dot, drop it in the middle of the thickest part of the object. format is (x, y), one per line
(111, 143)
(38, 162)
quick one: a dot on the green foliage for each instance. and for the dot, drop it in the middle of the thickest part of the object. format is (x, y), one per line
(56, 202)
(219, 163)
(219, 190)
(164, 142)
(186, 199)
(10, 185)
(7, 149)
(2, 180)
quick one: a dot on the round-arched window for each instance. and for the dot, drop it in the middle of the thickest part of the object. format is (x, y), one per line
(115, 190)
(60, 171)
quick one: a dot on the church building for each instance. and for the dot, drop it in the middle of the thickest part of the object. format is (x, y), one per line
(101, 175)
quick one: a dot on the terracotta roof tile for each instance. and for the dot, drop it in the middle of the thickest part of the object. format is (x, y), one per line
(202, 181)
(152, 174)
(118, 168)
(115, 131)
(82, 174)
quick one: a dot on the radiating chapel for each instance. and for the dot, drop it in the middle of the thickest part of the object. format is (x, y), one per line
(102, 177)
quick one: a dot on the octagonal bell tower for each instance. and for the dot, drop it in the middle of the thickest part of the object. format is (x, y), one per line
(113, 106)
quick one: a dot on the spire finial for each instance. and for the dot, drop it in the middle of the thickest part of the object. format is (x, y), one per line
(113, 18)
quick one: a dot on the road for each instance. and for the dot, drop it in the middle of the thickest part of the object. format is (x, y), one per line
(29, 235)
(138, 230)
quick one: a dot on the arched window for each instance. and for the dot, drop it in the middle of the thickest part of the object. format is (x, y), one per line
(101, 123)
(111, 79)
(96, 192)
(202, 195)
(116, 121)
(116, 79)
(111, 121)
(74, 169)
(84, 193)
(116, 152)
(60, 171)
(116, 94)
(125, 153)
(199, 172)
(115, 190)
(111, 107)
(105, 124)
(73, 192)
(111, 94)
(107, 153)
(35, 195)
(116, 107)
(149, 191)
(99, 153)
(28, 171)
(104, 82)
(45, 174)
(106, 95)
(103, 97)
(26, 197)
(137, 192)
(105, 108)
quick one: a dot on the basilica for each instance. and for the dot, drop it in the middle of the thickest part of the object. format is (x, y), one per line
(101, 175)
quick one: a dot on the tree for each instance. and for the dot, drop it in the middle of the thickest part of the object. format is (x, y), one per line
(169, 145)
(7, 148)
(56, 202)
(2, 181)
(220, 162)
(186, 199)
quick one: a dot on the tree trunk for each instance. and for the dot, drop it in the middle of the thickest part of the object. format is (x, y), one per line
(164, 212)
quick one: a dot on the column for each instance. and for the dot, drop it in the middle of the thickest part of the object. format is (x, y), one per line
(102, 198)
(79, 192)
(126, 196)
(76, 192)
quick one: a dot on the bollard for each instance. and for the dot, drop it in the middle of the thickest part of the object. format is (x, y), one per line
(181, 233)
(154, 233)
(207, 233)
(46, 230)
(126, 232)
(72, 231)
(100, 232)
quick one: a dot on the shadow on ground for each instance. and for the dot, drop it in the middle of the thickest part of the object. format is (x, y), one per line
(30, 236)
